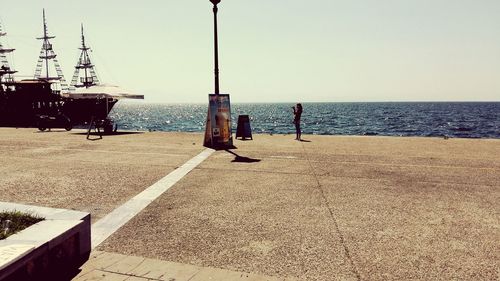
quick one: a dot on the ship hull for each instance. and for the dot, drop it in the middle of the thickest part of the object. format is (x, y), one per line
(81, 111)
(23, 103)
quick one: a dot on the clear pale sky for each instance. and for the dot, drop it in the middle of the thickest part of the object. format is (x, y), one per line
(273, 51)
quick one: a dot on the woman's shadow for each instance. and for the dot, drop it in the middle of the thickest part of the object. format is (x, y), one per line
(242, 159)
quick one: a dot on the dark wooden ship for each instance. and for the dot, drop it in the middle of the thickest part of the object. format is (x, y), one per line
(47, 100)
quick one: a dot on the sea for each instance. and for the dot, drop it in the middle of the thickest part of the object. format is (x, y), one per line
(426, 119)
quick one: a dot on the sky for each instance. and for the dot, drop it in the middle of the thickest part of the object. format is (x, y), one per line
(272, 51)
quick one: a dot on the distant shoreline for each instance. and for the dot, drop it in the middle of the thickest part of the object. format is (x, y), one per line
(304, 136)
(305, 102)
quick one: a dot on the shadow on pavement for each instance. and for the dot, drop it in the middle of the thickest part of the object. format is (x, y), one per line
(62, 275)
(51, 131)
(242, 159)
(110, 135)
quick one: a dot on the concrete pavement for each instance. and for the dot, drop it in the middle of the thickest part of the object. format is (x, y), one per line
(112, 266)
(346, 208)
(329, 208)
(63, 170)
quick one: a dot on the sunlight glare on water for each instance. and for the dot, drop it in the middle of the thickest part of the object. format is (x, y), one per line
(457, 119)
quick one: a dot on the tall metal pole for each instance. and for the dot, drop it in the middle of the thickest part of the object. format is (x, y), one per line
(216, 50)
(213, 126)
(85, 61)
(45, 42)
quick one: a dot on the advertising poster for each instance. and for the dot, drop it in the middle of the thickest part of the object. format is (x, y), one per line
(219, 120)
(207, 141)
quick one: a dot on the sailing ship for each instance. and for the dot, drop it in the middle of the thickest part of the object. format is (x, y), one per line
(21, 101)
(77, 104)
(30, 102)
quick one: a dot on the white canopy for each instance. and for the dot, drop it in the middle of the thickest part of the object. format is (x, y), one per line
(101, 91)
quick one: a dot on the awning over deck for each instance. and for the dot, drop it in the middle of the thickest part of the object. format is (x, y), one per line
(102, 91)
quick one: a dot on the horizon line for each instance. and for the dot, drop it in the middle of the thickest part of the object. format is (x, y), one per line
(310, 102)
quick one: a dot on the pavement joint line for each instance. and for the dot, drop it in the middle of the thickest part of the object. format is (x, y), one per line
(127, 274)
(393, 156)
(137, 266)
(109, 224)
(277, 158)
(254, 171)
(401, 165)
(405, 165)
(322, 162)
(293, 173)
(334, 219)
(340, 177)
(104, 151)
(94, 161)
(121, 152)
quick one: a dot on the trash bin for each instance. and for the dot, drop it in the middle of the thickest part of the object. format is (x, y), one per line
(243, 130)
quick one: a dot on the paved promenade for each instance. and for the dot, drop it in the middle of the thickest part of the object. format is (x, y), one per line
(328, 208)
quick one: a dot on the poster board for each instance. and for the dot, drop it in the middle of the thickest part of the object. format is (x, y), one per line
(218, 125)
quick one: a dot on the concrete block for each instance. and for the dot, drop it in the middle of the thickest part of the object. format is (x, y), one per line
(40, 251)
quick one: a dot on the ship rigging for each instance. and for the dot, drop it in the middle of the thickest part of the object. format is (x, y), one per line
(47, 55)
(84, 65)
(28, 102)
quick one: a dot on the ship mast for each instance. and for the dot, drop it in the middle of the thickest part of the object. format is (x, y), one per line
(5, 70)
(90, 77)
(47, 54)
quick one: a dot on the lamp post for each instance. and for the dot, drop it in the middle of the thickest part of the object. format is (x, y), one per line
(216, 51)
(218, 126)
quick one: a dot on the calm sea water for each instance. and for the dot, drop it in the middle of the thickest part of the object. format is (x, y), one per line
(457, 119)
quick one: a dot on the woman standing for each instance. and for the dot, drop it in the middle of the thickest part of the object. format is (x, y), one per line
(297, 111)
